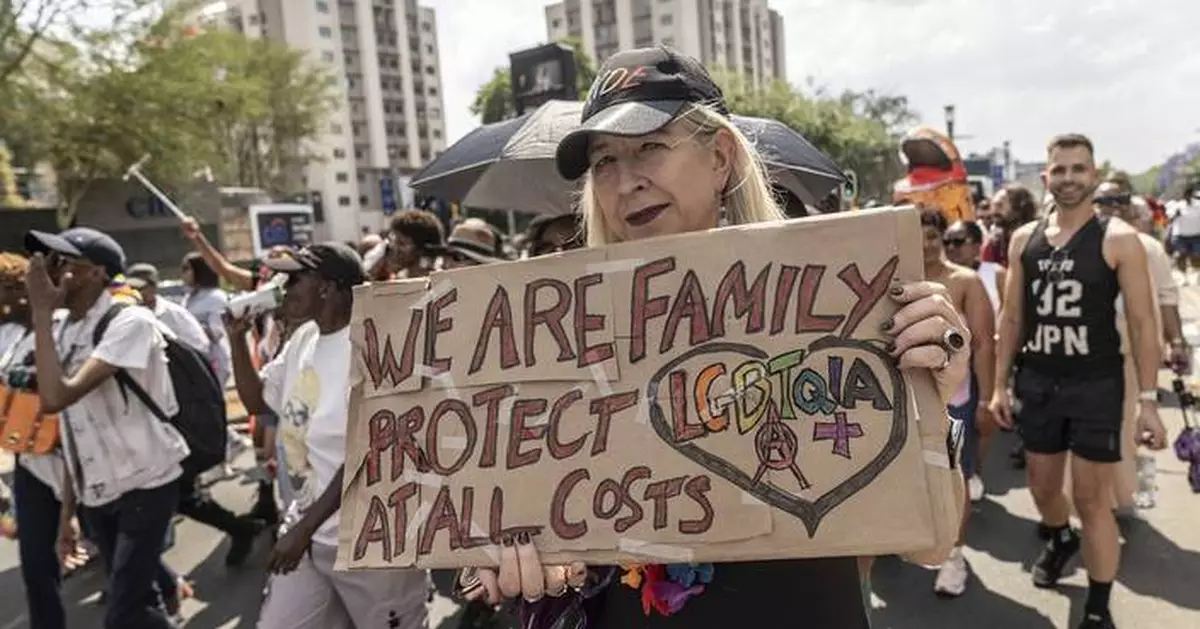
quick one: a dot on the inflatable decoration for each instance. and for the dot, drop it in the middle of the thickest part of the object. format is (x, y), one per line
(936, 175)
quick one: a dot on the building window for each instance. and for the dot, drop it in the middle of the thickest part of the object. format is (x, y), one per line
(668, 41)
(344, 201)
(430, 70)
(343, 177)
(555, 23)
(362, 176)
(322, 7)
(327, 56)
(429, 49)
(358, 154)
(252, 20)
(666, 19)
(325, 32)
(427, 27)
(339, 154)
(363, 200)
(335, 128)
(437, 134)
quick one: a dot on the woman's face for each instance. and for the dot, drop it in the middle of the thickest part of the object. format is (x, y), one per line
(667, 182)
(402, 250)
(932, 244)
(185, 274)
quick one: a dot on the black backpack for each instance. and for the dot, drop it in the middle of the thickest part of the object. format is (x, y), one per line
(201, 417)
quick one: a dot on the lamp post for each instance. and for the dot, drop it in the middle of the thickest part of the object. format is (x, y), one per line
(949, 109)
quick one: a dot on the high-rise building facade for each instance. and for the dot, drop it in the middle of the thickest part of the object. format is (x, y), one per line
(745, 36)
(390, 118)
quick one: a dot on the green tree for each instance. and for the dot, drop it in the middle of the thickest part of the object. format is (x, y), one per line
(191, 99)
(494, 99)
(8, 181)
(858, 131)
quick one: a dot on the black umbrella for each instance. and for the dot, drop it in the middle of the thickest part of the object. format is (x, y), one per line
(510, 164)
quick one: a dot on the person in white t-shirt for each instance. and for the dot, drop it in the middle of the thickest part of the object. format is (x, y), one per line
(308, 386)
(195, 504)
(122, 462)
(1185, 229)
(206, 301)
(144, 277)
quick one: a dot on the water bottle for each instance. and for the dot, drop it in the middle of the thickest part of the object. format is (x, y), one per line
(1147, 491)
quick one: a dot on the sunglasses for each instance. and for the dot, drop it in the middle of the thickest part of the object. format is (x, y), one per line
(459, 258)
(1110, 201)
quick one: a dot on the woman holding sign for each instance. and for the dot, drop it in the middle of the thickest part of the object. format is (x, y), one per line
(659, 156)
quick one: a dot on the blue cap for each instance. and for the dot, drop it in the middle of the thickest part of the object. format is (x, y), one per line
(92, 245)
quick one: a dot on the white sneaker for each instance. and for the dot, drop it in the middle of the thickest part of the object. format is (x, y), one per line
(975, 488)
(952, 576)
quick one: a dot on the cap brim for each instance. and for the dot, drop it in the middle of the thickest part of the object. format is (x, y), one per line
(629, 119)
(43, 242)
(137, 282)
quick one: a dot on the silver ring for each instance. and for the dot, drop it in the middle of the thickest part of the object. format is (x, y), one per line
(953, 341)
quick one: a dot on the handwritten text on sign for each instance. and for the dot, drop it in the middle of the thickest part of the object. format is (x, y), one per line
(596, 403)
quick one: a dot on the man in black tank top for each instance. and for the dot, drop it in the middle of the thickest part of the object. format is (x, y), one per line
(1058, 327)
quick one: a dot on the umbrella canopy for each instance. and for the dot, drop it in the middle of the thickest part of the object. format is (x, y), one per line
(506, 165)
(509, 165)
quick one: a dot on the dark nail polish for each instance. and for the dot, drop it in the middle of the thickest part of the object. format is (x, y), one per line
(507, 540)
(523, 537)
(896, 290)
(887, 325)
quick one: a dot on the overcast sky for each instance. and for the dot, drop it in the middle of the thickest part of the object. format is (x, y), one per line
(1125, 72)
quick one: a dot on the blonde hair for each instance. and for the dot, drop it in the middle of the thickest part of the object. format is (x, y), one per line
(747, 200)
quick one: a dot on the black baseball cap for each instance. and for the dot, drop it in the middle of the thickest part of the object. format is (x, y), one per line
(142, 274)
(89, 244)
(333, 261)
(637, 92)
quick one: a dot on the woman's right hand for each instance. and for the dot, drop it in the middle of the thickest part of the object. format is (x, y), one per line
(520, 573)
(190, 228)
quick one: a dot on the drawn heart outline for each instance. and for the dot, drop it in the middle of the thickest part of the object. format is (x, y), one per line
(810, 512)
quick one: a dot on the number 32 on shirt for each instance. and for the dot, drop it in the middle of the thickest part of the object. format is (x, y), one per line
(1060, 300)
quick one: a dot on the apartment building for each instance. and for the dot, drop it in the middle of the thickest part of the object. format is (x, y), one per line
(390, 120)
(742, 35)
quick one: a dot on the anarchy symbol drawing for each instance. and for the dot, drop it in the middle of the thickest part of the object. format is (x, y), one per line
(777, 447)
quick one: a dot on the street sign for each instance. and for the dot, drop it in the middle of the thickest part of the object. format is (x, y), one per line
(387, 195)
(850, 188)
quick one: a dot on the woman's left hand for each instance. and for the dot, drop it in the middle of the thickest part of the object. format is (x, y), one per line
(919, 331)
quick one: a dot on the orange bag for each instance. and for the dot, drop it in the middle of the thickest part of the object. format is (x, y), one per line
(23, 426)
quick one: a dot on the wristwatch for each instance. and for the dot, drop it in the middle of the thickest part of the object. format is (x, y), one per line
(1148, 396)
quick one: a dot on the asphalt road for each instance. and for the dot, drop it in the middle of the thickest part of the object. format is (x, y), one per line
(1158, 586)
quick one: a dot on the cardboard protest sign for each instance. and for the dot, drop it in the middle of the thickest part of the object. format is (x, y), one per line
(714, 396)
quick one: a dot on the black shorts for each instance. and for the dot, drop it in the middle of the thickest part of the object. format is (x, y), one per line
(1080, 414)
